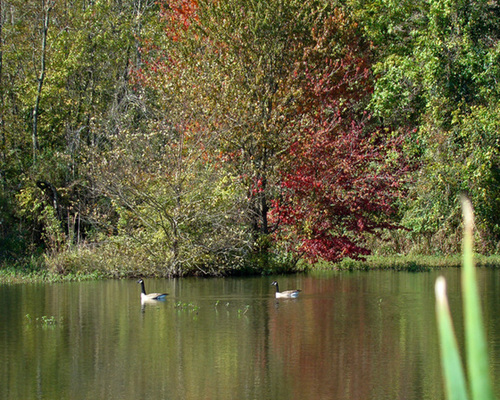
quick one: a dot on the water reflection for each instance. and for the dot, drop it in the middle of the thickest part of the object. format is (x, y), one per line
(348, 336)
(152, 304)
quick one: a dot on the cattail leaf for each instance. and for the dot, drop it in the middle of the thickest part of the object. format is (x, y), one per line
(451, 363)
(475, 342)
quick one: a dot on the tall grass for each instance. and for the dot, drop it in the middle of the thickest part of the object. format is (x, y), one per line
(477, 385)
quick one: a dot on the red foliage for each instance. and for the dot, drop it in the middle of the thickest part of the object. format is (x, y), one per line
(338, 186)
(341, 175)
(179, 15)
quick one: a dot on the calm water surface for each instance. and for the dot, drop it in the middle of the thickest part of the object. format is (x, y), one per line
(348, 336)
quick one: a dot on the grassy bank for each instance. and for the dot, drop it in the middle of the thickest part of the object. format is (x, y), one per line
(411, 263)
(33, 271)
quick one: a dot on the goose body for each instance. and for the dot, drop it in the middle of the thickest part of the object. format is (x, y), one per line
(150, 296)
(287, 293)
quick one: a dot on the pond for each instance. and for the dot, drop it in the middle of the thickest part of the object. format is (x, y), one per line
(358, 335)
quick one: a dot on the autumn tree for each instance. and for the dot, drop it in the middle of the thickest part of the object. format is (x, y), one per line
(265, 79)
(341, 172)
(177, 211)
(245, 54)
(254, 45)
(225, 65)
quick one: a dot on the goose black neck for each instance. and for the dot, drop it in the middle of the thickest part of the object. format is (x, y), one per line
(277, 287)
(143, 288)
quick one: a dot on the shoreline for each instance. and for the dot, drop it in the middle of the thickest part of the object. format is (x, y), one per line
(15, 274)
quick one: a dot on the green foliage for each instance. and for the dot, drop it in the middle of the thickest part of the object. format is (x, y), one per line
(478, 133)
(175, 208)
(44, 321)
(442, 80)
(464, 160)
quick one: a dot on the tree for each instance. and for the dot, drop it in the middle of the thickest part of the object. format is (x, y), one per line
(225, 64)
(239, 54)
(46, 10)
(64, 72)
(178, 211)
(444, 80)
(341, 173)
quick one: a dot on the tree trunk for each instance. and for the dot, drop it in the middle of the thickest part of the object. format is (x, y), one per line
(2, 122)
(36, 109)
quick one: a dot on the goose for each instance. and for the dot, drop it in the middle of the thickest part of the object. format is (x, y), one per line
(150, 296)
(286, 293)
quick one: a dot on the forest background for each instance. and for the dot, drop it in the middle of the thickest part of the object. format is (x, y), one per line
(171, 138)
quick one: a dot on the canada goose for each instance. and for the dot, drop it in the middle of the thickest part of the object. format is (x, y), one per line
(150, 296)
(286, 293)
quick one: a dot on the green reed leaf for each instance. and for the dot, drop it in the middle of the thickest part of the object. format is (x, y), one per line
(475, 341)
(451, 363)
